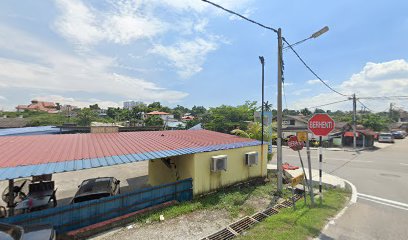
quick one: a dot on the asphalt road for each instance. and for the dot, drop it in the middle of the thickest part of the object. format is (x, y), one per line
(381, 179)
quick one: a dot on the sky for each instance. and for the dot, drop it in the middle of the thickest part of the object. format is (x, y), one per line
(187, 52)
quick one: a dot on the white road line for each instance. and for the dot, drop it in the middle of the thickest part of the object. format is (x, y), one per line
(382, 203)
(404, 164)
(383, 200)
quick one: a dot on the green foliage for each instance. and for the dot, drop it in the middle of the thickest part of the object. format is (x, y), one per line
(192, 123)
(306, 112)
(374, 121)
(94, 107)
(198, 111)
(254, 131)
(86, 116)
(46, 119)
(227, 118)
(154, 121)
(302, 223)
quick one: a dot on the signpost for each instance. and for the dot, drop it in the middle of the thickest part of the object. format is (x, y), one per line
(320, 125)
(295, 145)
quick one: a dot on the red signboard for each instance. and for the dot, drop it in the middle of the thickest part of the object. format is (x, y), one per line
(295, 144)
(321, 124)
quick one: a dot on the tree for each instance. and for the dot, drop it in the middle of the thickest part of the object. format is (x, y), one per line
(227, 118)
(154, 106)
(267, 106)
(86, 116)
(154, 121)
(374, 121)
(318, 110)
(306, 112)
(113, 112)
(94, 107)
(58, 106)
(198, 111)
(254, 131)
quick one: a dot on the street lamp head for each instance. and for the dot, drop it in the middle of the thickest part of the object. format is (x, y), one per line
(261, 58)
(320, 32)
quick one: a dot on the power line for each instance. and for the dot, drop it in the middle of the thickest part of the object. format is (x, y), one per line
(289, 45)
(313, 72)
(241, 16)
(327, 104)
(385, 97)
(364, 105)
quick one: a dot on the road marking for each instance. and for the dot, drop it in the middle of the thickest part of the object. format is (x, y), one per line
(383, 201)
(404, 164)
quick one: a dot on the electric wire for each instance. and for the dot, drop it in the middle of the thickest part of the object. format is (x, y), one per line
(311, 70)
(241, 16)
(289, 45)
(358, 100)
(327, 104)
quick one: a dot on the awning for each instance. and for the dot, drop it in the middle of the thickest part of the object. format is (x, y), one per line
(350, 134)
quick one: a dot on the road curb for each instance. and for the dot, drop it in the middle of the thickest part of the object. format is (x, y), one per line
(332, 221)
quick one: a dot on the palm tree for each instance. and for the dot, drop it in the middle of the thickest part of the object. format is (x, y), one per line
(254, 131)
(267, 106)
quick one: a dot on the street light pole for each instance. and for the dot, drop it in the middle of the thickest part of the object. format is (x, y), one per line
(279, 114)
(261, 58)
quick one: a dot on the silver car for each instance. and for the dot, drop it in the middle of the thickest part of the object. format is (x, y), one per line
(386, 137)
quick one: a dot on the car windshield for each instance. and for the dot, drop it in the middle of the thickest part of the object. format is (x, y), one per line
(95, 185)
(385, 135)
(90, 197)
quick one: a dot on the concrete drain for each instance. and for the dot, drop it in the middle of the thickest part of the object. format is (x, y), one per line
(247, 222)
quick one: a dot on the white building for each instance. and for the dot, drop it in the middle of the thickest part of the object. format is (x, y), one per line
(130, 104)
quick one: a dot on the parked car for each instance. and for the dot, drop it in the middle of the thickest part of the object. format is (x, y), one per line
(398, 135)
(40, 196)
(96, 188)
(34, 232)
(386, 137)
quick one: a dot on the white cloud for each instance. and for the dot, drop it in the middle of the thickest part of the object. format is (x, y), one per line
(187, 56)
(50, 69)
(127, 21)
(374, 80)
(301, 91)
(3, 98)
(315, 81)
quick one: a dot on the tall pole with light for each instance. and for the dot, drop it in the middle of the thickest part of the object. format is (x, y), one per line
(279, 100)
(261, 58)
(280, 74)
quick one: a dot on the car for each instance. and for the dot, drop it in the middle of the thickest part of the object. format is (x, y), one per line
(33, 232)
(386, 137)
(398, 135)
(96, 188)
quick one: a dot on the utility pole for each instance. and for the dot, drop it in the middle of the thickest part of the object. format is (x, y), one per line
(279, 113)
(261, 58)
(391, 104)
(354, 122)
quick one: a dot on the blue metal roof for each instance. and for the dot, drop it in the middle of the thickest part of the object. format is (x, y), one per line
(25, 131)
(74, 165)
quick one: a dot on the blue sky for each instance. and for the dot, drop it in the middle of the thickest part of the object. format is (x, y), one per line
(190, 53)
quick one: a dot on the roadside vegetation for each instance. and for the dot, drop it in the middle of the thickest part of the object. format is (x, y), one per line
(224, 118)
(303, 223)
(238, 201)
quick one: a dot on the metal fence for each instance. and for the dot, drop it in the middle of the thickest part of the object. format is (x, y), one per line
(78, 215)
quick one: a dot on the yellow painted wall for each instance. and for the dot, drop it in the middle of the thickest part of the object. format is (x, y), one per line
(197, 166)
(159, 173)
(237, 171)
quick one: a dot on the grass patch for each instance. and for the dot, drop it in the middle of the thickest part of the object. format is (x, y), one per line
(233, 199)
(303, 223)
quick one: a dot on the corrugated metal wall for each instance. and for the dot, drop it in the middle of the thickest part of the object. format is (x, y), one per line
(78, 215)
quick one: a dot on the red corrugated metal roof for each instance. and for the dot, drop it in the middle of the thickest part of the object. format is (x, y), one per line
(158, 113)
(33, 150)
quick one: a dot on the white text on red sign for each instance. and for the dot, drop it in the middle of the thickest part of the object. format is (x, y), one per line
(319, 124)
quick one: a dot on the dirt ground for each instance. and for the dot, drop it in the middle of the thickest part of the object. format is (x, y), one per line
(195, 225)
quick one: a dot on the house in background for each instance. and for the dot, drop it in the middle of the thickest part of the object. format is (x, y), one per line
(38, 106)
(163, 115)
